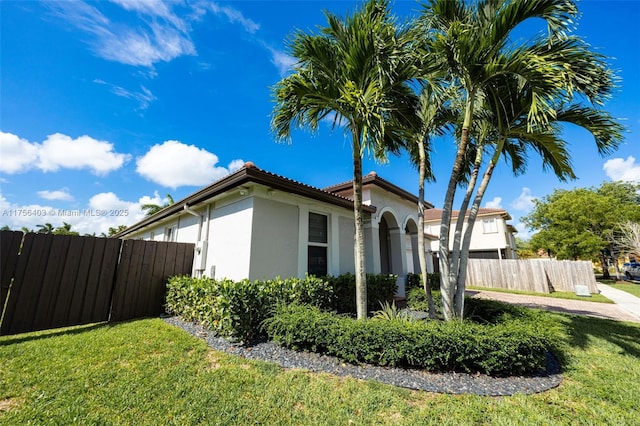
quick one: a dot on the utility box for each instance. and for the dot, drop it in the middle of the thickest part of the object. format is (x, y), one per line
(200, 261)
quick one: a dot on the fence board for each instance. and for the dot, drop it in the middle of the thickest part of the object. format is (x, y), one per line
(140, 286)
(63, 280)
(10, 242)
(532, 275)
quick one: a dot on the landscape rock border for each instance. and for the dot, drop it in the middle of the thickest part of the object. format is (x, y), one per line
(449, 383)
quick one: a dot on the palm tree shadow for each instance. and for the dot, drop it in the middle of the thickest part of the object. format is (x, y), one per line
(582, 329)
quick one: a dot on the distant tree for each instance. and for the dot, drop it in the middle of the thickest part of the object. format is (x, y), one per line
(628, 239)
(578, 223)
(524, 250)
(113, 231)
(5, 228)
(47, 228)
(151, 209)
(65, 229)
(26, 230)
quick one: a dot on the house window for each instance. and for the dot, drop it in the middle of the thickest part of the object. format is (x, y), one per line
(489, 226)
(152, 236)
(318, 245)
(170, 233)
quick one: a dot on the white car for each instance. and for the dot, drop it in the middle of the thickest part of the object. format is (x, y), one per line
(632, 270)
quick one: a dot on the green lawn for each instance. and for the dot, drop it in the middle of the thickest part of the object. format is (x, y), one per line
(148, 372)
(555, 295)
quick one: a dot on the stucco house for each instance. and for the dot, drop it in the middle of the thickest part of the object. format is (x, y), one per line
(492, 237)
(258, 225)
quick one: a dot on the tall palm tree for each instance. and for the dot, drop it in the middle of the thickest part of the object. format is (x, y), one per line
(355, 72)
(511, 135)
(435, 117)
(472, 42)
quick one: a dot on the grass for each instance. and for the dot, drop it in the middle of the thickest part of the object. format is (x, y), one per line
(629, 287)
(555, 295)
(148, 372)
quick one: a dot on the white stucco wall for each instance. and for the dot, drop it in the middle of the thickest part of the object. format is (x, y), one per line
(229, 239)
(274, 240)
(480, 240)
(347, 231)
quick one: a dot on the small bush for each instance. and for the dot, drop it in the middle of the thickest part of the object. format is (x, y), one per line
(380, 288)
(417, 300)
(513, 346)
(414, 281)
(236, 309)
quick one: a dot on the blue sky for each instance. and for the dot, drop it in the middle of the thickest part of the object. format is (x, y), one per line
(107, 105)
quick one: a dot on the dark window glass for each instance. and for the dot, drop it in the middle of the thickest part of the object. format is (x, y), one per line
(317, 228)
(317, 261)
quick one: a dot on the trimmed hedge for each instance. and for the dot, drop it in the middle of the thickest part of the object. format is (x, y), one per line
(512, 345)
(380, 288)
(414, 281)
(236, 309)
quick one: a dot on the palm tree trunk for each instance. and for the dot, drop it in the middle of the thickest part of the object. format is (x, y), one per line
(361, 278)
(457, 255)
(466, 241)
(421, 248)
(447, 279)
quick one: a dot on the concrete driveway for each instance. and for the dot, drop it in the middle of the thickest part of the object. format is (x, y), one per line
(626, 307)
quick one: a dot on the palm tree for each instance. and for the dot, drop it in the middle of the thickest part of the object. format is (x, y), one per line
(151, 209)
(435, 117)
(47, 228)
(65, 229)
(472, 43)
(355, 72)
(511, 135)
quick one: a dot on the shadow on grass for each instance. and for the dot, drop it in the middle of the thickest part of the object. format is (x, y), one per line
(45, 334)
(580, 330)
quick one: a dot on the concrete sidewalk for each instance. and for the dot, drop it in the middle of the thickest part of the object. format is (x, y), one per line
(626, 307)
(626, 301)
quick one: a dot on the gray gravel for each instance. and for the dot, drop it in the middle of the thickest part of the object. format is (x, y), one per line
(451, 383)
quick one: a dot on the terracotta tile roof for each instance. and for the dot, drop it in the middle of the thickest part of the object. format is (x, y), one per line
(436, 214)
(247, 174)
(373, 179)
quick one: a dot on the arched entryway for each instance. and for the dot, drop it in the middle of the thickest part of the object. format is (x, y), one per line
(411, 247)
(391, 245)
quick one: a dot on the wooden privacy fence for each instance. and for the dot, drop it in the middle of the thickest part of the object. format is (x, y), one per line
(50, 281)
(542, 276)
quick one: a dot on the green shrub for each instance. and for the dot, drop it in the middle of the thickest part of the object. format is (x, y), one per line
(414, 281)
(380, 288)
(513, 346)
(417, 300)
(236, 309)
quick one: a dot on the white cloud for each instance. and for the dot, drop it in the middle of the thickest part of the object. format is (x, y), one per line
(235, 17)
(282, 61)
(103, 210)
(60, 195)
(523, 231)
(18, 155)
(524, 202)
(496, 203)
(173, 164)
(144, 97)
(622, 170)
(58, 151)
(235, 165)
(164, 37)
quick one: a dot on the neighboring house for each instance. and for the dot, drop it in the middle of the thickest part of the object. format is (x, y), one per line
(258, 225)
(492, 237)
